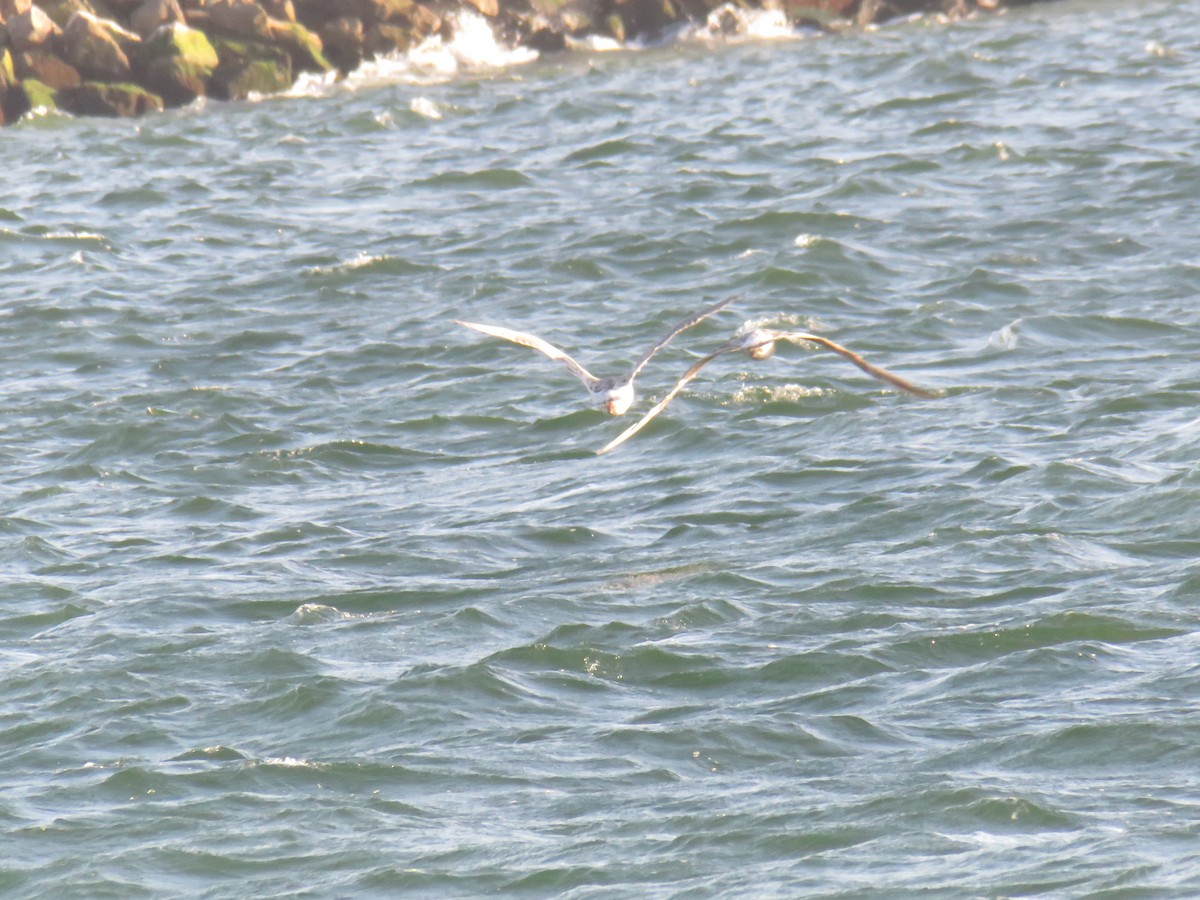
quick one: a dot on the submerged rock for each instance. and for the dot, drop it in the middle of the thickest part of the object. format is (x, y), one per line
(94, 98)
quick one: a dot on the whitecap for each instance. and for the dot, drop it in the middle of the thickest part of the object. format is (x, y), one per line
(597, 43)
(784, 393)
(473, 47)
(733, 23)
(423, 106)
(312, 613)
(289, 761)
(362, 260)
(309, 84)
(1005, 338)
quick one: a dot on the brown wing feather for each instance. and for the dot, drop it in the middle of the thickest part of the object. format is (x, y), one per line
(872, 370)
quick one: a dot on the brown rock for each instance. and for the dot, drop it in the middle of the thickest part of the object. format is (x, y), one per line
(239, 17)
(375, 11)
(841, 8)
(46, 68)
(176, 63)
(177, 85)
(247, 67)
(62, 10)
(315, 13)
(280, 9)
(153, 13)
(383, 38)
(489, 8)
(345, 42)
(546, 40)
(32, 29)
(424, 21)
(10, 9)
(90, 44)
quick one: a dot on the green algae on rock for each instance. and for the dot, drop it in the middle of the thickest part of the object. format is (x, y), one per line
(249, 67)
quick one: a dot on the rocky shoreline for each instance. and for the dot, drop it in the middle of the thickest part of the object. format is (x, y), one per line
(129, 57)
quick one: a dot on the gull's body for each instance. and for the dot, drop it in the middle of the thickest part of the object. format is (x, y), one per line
(613, 394)
(759, 344)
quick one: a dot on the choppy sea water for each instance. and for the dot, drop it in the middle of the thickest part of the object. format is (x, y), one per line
(309, 592)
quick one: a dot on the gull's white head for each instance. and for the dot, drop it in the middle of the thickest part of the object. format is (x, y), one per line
(618, 399)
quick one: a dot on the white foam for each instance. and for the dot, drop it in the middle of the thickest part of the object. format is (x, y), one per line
(731, 23)
(596, 43)
(472, 48)
(423, 106)
(358, 262)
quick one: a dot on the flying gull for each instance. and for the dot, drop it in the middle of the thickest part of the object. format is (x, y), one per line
(760, 344)
(615, 394)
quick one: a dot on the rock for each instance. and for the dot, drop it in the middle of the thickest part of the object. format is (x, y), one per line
(423, 21)
(44, 67)
(176, 81)
(249, 67)
(302, 46)
(819, 10)
(547, 40)
(383, 39)
(10, 9)
(489, 8)
(616, 27)
(96, 99)
(176, 63)
(316, 13)
(153, 13)
(38, 95)
(62, 10)
(91, 46)
(239, 18)
(32, 30)
(377, 11)
(189, 44)
(345, 42)
(280, 9)
(643, 18)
